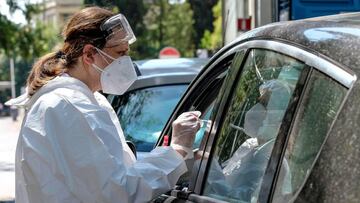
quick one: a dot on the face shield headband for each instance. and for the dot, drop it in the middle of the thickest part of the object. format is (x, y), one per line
(117, 31)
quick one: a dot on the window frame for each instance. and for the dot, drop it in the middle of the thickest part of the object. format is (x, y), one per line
(338, 73)
(197, 88)
(189, 97)
(226, 104)
(225, 90)
(300, 104)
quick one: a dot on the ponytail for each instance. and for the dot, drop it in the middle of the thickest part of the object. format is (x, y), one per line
(82, 28)
(44, 70)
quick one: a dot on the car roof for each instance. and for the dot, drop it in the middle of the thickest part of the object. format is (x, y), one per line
(335, 37)
(159, 72)
(170, 66)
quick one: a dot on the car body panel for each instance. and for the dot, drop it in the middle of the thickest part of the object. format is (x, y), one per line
(161, 80)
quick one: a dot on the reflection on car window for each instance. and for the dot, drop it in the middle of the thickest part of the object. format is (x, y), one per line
(143, 113)
(321, 102)
(251, 125)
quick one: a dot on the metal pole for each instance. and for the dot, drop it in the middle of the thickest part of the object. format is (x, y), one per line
(275, 11)
(257, 13)
(12, 76)
(223, 26)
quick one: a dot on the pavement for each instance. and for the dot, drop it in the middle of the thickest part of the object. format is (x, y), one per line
(9, 132)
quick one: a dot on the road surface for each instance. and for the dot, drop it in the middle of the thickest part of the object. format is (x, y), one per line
(9, 131)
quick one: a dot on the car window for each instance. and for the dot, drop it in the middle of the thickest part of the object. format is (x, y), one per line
(143, 113)
(251, 124)
(201, 97)
(204, 102)
(321, 102)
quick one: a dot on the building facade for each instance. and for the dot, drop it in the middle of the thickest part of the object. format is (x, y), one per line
(57, 12)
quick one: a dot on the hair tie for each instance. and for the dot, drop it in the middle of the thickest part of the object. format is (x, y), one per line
(60, 54)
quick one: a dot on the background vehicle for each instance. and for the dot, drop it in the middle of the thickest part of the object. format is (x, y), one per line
(144, 109)
(303, 144)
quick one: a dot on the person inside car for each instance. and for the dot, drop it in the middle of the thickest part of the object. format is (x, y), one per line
(240, 176)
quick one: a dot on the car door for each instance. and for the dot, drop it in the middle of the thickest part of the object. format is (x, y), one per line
(202, 95)
(268, 92)
(266, 88)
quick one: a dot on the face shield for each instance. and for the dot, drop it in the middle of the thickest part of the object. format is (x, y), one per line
(117, 31)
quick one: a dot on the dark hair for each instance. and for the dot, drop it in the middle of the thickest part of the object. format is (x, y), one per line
(82, 28)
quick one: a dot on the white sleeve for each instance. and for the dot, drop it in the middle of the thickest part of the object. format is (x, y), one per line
(82, 153)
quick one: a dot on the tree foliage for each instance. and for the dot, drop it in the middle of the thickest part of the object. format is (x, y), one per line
(203, 18)
(171, 25)
(156, 25)
(213, 39)
(29, 41)
(23, 42)
(7, 33)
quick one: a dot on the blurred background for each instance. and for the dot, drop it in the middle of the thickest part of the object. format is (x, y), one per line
(30, 29)
(195, 28)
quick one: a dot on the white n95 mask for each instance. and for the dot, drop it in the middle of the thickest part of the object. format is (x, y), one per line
(118, 76)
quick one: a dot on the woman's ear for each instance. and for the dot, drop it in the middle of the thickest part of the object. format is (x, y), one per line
(88, 54)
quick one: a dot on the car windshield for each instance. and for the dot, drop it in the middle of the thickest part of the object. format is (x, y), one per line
(143, 113)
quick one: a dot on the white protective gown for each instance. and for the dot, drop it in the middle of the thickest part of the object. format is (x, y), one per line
(71, 149)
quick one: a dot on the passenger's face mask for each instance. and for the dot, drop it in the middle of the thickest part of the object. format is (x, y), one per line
(118, 76)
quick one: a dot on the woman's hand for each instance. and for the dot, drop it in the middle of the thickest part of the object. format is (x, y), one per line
(184, 131)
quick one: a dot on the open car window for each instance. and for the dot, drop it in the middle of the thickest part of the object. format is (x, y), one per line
(206, 104)
(201, 98)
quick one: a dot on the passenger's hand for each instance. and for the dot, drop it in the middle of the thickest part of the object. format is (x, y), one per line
(184, 130)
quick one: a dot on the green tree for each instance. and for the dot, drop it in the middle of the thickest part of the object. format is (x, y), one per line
(179, 28)
(134, 10)
(203, 18)
(213, 40)
(7, 33)
(170, 25)
(23, 43)
(156, 25)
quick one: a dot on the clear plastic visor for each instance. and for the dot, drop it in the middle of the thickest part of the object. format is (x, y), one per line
(118, 31)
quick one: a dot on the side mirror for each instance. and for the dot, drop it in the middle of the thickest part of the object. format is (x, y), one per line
(132, 147)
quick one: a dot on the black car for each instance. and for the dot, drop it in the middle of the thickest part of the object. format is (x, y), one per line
(283, 104)
(144, 109)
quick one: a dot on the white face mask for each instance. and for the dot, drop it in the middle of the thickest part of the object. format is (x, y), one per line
(118, 76)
